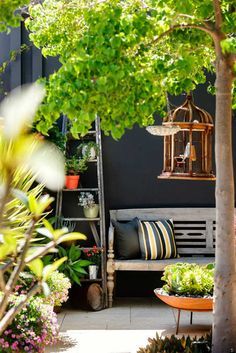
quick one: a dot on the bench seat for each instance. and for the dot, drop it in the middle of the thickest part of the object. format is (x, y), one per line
(157, 265)
(194, 235)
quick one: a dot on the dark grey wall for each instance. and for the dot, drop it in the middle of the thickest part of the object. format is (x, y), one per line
(131, 165)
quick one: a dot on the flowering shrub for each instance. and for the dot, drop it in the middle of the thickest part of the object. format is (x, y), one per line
(57, 282)
(59, 286)
(32, 329)
(93, 255)
(86, 199)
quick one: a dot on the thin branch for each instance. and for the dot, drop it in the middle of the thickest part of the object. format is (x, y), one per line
(183, 26)
(41, 252)
(5, 196)
(4, 267)
(11, 314)
(218, 14)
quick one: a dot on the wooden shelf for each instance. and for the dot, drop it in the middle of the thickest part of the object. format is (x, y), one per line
(90, 280)
(92, 160)
(82, 219)
(81, 189)
(90, 248)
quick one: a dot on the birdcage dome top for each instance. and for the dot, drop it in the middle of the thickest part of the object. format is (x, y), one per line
(188, 112)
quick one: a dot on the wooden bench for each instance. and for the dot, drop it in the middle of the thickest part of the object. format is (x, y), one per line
(194, 235)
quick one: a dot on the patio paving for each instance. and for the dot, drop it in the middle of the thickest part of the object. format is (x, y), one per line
(125, 327)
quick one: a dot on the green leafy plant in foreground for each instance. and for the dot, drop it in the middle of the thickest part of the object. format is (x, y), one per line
(22, 151)
(175, 344)
(189, 279)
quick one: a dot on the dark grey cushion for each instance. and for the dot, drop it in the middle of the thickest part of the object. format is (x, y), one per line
(126, 240)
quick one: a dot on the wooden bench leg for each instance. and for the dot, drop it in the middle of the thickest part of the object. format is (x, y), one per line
(110, 282)
(177, 325)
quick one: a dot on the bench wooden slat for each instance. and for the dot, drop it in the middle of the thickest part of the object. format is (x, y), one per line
(157, 265)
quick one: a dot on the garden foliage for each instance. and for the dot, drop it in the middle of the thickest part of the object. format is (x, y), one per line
(22, 210)
(175, 344)
(112, 63)
(189, 279)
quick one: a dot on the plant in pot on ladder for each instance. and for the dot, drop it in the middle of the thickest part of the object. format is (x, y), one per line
(74, 167)
(93, 255)
(90, 207)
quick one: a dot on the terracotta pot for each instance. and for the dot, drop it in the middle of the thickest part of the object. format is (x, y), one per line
(91, 212)
(72, 181)
(185, 303)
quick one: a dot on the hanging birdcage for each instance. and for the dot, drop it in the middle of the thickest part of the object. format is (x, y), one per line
(188, 151)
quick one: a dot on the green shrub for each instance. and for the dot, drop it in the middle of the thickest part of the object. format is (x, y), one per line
(174, 344)
(189, 279)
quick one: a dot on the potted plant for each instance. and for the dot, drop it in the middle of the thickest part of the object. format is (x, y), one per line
(93, 255)
(188, 287)
(74, 166)
(89, 150)
(74, 267)
(86, 200)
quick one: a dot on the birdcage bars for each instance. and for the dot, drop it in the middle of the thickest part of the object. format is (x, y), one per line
(188, 152)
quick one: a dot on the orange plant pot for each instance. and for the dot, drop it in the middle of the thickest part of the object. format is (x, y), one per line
(72, 181)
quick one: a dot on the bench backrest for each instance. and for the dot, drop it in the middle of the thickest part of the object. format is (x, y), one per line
(194, 227)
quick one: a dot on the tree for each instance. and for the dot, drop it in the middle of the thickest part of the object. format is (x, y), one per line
(10, 15)
(119, 58)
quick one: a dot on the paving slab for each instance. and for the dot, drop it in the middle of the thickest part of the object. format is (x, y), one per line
(125, 327)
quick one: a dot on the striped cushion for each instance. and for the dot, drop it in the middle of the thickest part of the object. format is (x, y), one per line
(157, 239)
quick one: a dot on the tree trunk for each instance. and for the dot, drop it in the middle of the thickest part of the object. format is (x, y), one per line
(224, 316)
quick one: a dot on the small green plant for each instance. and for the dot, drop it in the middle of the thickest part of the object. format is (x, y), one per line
(175, 344)
(74, 266)
(89, 150)
(75, 166)
(189, 279)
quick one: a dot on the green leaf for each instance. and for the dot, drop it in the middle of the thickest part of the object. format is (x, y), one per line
(20, 195)
(75, 278)
(74, 253)
(8, 246)
(72, 236)
(49, 269)
(46, 289)
(36, 266)
(33, 207)
(84, 263)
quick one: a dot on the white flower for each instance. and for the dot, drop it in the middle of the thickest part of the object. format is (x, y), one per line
(19, 107)
(48, 165)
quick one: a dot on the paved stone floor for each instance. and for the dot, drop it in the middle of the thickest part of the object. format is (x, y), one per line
(125, 327)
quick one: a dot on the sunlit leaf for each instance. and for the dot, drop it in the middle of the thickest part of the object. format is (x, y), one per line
(36, 267)
(52, 267)
(72, 236)
(46, 289)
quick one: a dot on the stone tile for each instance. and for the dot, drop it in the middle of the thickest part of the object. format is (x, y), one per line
(125, 327)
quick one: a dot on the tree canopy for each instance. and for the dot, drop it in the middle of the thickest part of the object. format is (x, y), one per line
(118, 62)
(9, 13)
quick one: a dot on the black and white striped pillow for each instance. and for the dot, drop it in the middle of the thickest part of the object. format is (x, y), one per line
(157, 239)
